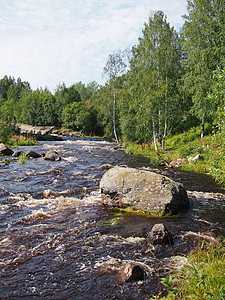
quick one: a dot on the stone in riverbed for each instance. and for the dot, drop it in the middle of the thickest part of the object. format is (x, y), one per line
(4, 150)
(142, 190)
(132, 272)
(52, 155)
(159, 235)
(32, 154)
(17, 153)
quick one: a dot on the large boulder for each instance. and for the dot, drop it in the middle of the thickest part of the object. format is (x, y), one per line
(142, 190)
(4, 150)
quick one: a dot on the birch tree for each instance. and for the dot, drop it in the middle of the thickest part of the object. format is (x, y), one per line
(113, 68)
(204, 45)
(156, 62)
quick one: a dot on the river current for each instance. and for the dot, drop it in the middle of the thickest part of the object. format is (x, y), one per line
(58, 242)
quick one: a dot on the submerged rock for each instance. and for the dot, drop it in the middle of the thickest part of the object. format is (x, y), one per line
(159, 235)
(4, 150)
(142, 190)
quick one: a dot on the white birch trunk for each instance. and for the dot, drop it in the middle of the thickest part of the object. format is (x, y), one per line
(114, 114)
(154, 135)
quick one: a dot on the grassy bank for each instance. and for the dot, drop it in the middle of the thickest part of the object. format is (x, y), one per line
(187, 145)
(202, 278)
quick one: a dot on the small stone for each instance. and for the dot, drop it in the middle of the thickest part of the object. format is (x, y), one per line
(52, 155)
(32, 154)
(159, 235)
(132, 272)
(17, 153)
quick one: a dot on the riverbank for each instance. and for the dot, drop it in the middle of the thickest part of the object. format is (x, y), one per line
(189, 152)
(202, 277)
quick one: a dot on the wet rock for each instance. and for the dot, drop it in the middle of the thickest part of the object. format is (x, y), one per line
(52, 155)
(132, 272)
(17, 153)
(159, 235)
(4, 150)
(142, 190)
(32, 154)
(105, 167)
(193, 238)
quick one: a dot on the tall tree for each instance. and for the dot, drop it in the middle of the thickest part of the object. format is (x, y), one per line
(155, 68)
(204, 48)
(113, 68)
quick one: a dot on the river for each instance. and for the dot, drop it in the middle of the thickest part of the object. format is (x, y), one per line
(58, 242)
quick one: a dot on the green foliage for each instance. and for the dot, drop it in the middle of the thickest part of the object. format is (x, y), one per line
(5, 131)
(202, 278)
(22, 158)
(204, 47)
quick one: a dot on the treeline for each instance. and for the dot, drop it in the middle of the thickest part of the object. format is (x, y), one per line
(69, 107)
(167, 83)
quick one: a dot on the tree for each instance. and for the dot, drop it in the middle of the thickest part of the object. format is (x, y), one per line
(113, 68)
(154, 71)
(63, 97)
(217, 97)
(204, 48)
(32, 112)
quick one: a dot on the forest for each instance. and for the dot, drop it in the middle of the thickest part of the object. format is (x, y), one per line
(166, 84)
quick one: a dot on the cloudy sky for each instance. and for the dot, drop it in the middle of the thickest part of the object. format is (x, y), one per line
(47, 42)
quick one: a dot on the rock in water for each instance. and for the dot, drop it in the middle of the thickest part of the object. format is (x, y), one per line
(32, 154)
(52, 155)
(142, 190)
(132, 272)
(4, 150)
(159, 235)
(17, 153)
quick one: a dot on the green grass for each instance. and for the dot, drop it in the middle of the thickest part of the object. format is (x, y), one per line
(22, 158)
(203, 278)
(185, 145)
(20, 140)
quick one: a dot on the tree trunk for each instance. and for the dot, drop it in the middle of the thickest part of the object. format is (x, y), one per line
(165, 125)
(114, 114)
(160, 133)
(154, 135)
(203, 127)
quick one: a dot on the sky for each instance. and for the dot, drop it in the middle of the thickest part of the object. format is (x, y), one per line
(48, 42)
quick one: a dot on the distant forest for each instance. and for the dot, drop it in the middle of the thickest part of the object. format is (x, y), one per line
(167, 83)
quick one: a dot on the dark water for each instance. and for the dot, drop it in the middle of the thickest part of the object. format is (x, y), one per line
(58, 242)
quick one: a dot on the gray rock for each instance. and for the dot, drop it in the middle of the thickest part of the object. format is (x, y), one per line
(4, 150)
(32, 154)
(142, 190)
(197, 157)
(159, 235)
(52, 155)
(17, 153)
(132, 272)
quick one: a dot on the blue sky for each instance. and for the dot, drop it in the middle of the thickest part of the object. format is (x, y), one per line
(47, 42)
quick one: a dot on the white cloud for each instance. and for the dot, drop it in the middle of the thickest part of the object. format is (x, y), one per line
(49, 41)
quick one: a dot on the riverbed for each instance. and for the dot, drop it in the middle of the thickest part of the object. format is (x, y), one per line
(59, 242)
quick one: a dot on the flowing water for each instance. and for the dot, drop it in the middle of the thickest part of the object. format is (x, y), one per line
(58, 242)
